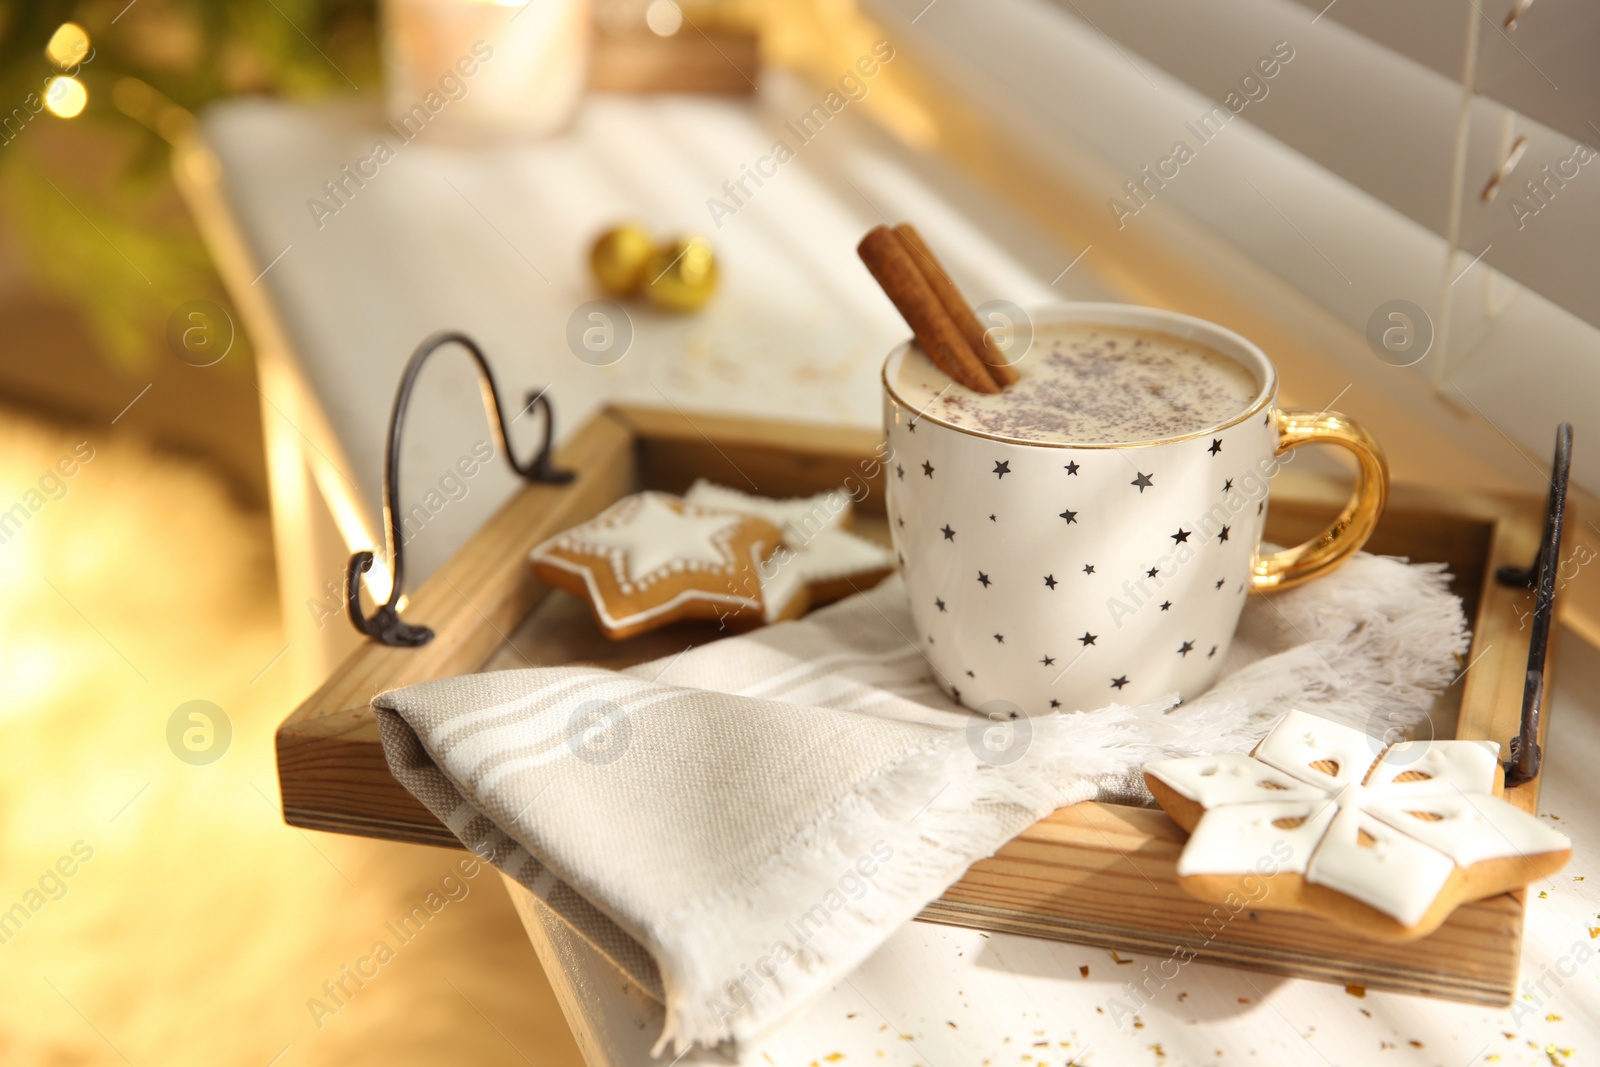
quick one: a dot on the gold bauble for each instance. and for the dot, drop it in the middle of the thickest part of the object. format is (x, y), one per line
(681, 276)
(619, 257)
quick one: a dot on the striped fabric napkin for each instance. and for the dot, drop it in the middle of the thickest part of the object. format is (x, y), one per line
(740, 826)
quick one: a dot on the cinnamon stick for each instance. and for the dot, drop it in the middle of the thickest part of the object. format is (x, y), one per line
(889, 260)
(978, 339)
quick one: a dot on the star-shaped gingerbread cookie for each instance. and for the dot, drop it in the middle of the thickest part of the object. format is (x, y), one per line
(1387, 846)
(820, 560)
(651, 559)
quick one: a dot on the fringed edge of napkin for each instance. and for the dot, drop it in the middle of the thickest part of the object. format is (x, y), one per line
(916, 826)
(1377, 644)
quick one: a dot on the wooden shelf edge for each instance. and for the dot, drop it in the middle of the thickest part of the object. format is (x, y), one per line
(405, 833)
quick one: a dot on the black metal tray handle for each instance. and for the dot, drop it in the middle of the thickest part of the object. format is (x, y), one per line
(385, 625)
(1524, 755)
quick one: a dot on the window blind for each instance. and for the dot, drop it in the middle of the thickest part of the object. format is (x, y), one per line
(1534, 58)
(1375, 94)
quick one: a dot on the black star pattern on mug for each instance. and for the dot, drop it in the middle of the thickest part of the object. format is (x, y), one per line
(991, 517)
(1144, 481)
(1219, 583)
(1261, 507)
(1152, 572)
(1088, 638)
(939, 603)
(912, 426)
(955, 694)
(971, 675)
(983, 579)
(1050, 581)
(900, 471)
(1048, 660)
(1213, 652)
(1216, 445)
(927, 468)
(999, 639)
(1166, 605)
(1070, 516)
(1267, 420)
(1222, 535)
(1088, 568)
(898, 521)
(1227, 486)
(1119, 681)
(1181, 536)
(1072, 467)
(1002, 467)
(1186, 648)
(1054, 703)
(949, 534)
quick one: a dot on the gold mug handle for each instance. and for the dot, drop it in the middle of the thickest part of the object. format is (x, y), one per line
(1314, 558)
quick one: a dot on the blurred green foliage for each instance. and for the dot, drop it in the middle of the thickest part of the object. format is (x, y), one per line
(90, 199)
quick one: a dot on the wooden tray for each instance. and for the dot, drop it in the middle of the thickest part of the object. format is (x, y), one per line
(1098, 874)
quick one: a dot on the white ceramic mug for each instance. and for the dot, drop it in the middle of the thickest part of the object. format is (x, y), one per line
(1068, 576)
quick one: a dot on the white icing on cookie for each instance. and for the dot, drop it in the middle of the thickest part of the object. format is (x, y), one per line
(1230, 778)
(651, 536)
(808, 515)
(1398, 875)
(836, 553)
(1251, 838)
(1468, 827)
(1469, 765)
(1299, 740)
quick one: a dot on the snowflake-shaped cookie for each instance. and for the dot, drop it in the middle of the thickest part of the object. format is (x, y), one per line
(1310, 821)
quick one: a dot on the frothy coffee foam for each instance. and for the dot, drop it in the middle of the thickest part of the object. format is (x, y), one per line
(1091, 384)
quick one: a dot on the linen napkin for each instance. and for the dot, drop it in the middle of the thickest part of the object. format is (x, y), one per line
(740, 826)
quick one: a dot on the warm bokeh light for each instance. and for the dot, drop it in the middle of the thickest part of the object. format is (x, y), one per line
(196, 925)
(65, 97)
(68, 46)
(663, 17)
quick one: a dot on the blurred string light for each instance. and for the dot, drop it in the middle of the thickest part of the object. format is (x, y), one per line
(65, 97)
(68, 46)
